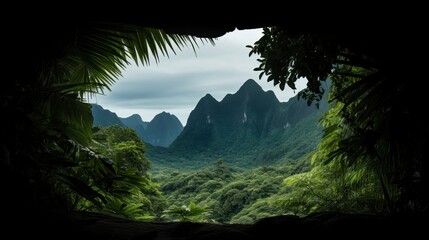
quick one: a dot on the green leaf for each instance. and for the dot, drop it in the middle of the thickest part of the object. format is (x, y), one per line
(145, 218)
(82, 189)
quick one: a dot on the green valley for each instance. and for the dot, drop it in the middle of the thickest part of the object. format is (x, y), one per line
(248, 157)
(229, 163)
(247, 129)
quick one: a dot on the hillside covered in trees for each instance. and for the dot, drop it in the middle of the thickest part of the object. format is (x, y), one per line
(246, 129)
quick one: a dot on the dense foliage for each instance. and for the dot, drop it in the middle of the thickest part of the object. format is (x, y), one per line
(332, 185)
(378, 128)
(190, 213)
(231, 195)
(130, 185)
(292, 143)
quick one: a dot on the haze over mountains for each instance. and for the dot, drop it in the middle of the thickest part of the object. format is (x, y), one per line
(249, 114)
(135, 122)
(161, 131)
(250, 127)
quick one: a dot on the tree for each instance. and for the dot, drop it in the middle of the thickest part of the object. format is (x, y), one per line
(122, 144)
(110, 176)
(380, 127)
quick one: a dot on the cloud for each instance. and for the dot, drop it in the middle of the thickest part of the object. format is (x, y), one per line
(177, 83)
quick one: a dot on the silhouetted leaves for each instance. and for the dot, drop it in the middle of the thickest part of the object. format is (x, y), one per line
(379, 125)
(83, 189)
(48, 119)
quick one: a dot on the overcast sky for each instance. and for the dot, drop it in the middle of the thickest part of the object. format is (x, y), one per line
(177, 83)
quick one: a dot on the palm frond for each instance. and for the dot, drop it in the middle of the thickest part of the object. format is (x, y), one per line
(94, 60)
(83, 189)
(101, 51)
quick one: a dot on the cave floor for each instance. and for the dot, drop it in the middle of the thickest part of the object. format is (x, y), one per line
(84, 225)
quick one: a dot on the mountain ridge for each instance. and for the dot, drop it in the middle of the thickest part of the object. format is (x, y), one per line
(135, 122)
(160, 131)
(249, 112)
(249, 127)
(104, 117)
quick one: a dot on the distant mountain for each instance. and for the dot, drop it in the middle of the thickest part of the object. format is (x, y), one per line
(249, 113)
(104, 117)
(135, 122)
(250, 127)
(162, 130)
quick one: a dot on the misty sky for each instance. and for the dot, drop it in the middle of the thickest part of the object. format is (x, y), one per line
(177, 83)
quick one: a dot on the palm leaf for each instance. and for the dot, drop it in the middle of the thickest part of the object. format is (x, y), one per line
(93, 63)
(82, 189)
(89, 59)
(101, 51)
(74, 117)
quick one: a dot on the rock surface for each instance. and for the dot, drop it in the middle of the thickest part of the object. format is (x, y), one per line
(83, 225)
